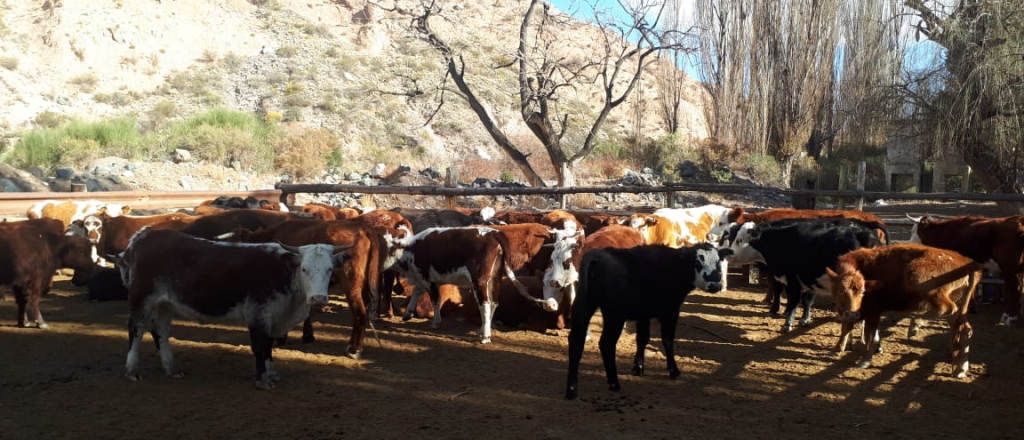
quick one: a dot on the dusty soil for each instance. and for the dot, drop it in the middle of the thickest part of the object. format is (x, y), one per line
(741, 379)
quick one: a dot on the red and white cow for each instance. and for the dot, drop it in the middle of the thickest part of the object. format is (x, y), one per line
(269, 286)
(997, 243)
(921, 281)
(69, 211)
(476, 257)
(30, 252)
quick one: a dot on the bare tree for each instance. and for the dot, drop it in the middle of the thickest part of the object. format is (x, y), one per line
(977, 113)
(546, 71)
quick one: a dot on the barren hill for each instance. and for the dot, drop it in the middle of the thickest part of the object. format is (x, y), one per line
(324, 63)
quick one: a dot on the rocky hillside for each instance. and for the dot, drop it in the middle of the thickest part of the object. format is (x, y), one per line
(338, 64)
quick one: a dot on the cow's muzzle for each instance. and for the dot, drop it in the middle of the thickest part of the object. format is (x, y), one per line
(713, 287)
(318, 300)
(551, 305)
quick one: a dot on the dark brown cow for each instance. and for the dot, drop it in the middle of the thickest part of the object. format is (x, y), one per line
(359, 277)
(269, 286)
(422, 219)
(526, 245)
(515, 311)
(992, 242)
(515, 217)
(389, 220)
(473, 256)
(213, 225)
(594, 221)
(918, 280)
(30, 252)
(111, 234)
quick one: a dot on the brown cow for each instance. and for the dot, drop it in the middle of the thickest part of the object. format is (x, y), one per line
(989, 241)
(30, 252)
(111, 234)
(324, 211)
(919, 280)
(593, 221)
(515, 217)
(359, 277)
(213, 225)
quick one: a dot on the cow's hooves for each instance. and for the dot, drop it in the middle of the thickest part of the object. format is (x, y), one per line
(134, 377)
(805, 323)
(787, 328)
(406, 317)
(674, 374)
(308, 339)
(354, 354)
(614, 387)
(638, 371)
(265, 384)
(281, 341)
(863, 364)
(43, 326)
(571, 393)
(177, 375)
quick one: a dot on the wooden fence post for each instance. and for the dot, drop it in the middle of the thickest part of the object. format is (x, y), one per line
(844, 175)
(862, 169)
(670, 197)
(451, 180)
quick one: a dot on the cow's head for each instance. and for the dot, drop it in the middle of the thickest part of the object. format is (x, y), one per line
(562, 275)
(708, 268)
(642, 221)
(93, 225)
(314, 264)
(914, 238)
(75, 252)
(742, 250)
(848, 288)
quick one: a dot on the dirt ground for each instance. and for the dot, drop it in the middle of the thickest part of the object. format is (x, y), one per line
(741, 379)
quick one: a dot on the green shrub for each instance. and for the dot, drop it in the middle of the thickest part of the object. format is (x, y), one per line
(765, 170)
(287, 51)
(304, 152)
(507, 176)
(48, 119)
(75, 143)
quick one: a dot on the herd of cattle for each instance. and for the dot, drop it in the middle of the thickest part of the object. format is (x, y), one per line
(272, 269)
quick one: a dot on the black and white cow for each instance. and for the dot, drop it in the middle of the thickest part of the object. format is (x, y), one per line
(474, 256)
(268, 286)
(796, 253)
(638, 284)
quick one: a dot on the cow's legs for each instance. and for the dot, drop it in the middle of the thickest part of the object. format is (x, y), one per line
(794, 296)
(435, 299)
(1012, 274)
(643, 336)
(610, 333)
(871, 323)
(360, 318)
(668, 341)
(961, 345)
(774, 295)
(485, 301)
(161, 332)
(262, 344)
(582, 312)
(22, 300)
(389, 279)
(807, 302)
(414, 298)
(844, 335)
(308, 335)
(135, 333)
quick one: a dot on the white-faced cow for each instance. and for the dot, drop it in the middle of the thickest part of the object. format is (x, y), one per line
(30, 252)
(997, 243)
(269, 286)
(796, 253)
(476, 257)
(922, 281)
(638, 283)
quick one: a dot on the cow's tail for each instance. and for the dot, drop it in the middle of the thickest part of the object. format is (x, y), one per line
(507, 264)
(377, 248)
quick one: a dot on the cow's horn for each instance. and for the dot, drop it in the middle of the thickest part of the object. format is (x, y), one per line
(915, 220)
(292, 249)
(225, 236)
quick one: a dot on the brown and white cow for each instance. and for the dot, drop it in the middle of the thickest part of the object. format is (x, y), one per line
(69, 211)
(213, 225)
(699, 224)
(269, 286)
(638, 284)
(476, 257)
(358, 278)
(30, 252)
(561, 277)
(324, 211)
(922, 281)
(996, 243)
